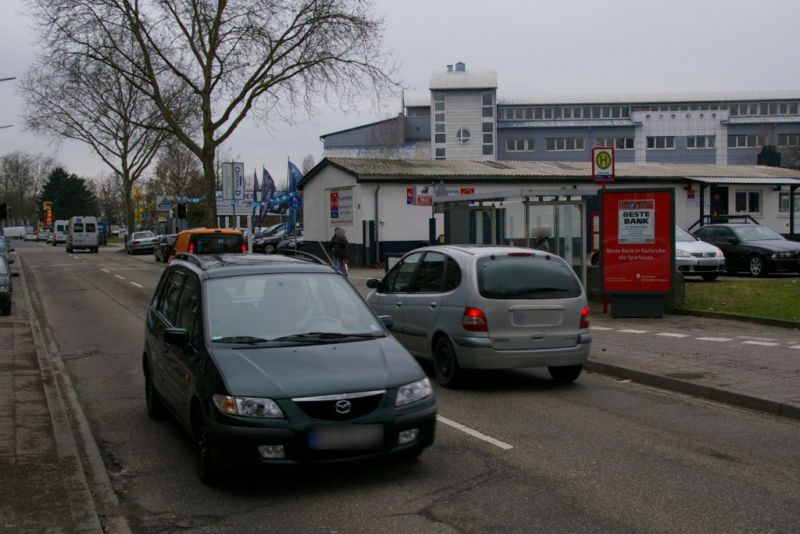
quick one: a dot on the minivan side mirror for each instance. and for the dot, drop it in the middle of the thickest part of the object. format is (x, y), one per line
(176, 336)
(11, 250)
(387, 321)
(11, 260)
(14, 275)
(373, 283)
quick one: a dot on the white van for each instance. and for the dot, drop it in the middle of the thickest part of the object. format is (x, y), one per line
(60, 231)
(82, 233)
(14, 232)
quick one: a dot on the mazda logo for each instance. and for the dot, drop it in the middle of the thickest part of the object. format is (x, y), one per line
(343, 407)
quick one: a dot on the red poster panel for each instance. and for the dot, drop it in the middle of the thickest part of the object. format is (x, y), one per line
(638, 236)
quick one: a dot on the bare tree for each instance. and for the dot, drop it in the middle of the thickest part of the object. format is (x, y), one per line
(110, 195)
(177, 172)
(74, 97)
(308, 163)
(21, 176)
(233, 57)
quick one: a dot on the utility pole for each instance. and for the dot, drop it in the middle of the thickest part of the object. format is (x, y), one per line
(7, 80)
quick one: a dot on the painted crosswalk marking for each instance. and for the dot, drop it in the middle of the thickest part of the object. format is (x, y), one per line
(633, 331)
(761, 343)
(716, 339)
(671, 334)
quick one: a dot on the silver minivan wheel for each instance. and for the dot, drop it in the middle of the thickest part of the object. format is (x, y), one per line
(445, 362)
(565, 373)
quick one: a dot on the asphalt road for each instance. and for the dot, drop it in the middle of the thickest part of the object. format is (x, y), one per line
(598, 455)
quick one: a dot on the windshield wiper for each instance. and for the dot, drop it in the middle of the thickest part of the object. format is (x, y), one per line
(246, 340)
(316, 336)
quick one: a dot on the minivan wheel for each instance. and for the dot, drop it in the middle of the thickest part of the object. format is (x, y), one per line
(155, 408)
(756, 266)
(448, 372)
(565, 373)
(207, 468)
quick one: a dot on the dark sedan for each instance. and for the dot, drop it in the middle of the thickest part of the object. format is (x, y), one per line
(752, 248)
(164, 247)
(267, 240)
(6, 288)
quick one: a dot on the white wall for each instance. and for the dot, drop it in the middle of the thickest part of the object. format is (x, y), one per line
(316, 208)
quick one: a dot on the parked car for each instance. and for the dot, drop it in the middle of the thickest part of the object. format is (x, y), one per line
(14, 232)
(6, 287)
(294, 242)
(696, 257)
(82, 234)
(5, 250)
(267, 240)
(209, 241)
(752, 247)
(164, 247)
(143, 241)
(472, 307)
(271, 359)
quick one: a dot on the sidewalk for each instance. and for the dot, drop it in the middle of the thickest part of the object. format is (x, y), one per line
(761, 378)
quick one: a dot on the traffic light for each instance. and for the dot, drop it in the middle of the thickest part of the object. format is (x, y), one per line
(3, 210)
(181, 211)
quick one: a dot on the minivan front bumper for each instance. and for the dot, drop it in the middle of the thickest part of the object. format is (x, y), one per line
(478, 353)
(236, 444)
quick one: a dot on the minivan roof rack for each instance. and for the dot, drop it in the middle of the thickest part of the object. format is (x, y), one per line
(191, 258)
(301, 255)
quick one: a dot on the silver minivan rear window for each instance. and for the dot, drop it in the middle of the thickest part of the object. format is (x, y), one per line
(527, 277)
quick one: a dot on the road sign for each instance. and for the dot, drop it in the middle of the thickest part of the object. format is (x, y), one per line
(603, 164)
(295, 201)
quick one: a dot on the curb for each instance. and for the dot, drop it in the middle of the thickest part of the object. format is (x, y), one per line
(697, 390)
(735, 317)
(71, 428)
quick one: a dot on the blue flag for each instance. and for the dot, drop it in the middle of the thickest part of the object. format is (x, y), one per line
(267, 191)
(255, 195)
(294, 177)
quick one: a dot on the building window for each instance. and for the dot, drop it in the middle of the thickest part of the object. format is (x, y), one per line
(748, 201)
(488, 150)
(440, 138)
(520, 145)
(619, 143)
(487, 127)
(438, 106)
(440, 153)
(439, 127)
(438, 97)
(661, 142)
(439, 117)
(488, 138)
(745, 141)
(788, 139)
(694, 142)
(563, 144)
(463, 136)
(783, 202)
(487, 108)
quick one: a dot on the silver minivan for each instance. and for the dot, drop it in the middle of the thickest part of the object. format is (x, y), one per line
(475, 307)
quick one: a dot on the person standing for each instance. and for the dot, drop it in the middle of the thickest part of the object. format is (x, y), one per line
(338, 248)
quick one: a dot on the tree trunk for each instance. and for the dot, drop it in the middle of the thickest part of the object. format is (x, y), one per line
(210, 187)
(129, 208)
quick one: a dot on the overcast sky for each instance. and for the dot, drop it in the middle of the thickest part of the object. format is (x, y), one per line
(536, 47)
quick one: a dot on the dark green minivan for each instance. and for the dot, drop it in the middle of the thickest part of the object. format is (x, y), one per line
(278, 360)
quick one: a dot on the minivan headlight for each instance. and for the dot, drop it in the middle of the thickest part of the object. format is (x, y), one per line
(683, 254)
(3, 289)
(248, 406)
(413, 392)
(718, 253)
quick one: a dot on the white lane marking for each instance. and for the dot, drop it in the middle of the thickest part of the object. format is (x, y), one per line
(717, 339)
(795, 347)
(137, 285)
(600, 328)
(77, 258)
(474, 433)
(106, 271)
(120, 277)
(760, 343)
(671, 334)
(632, 331)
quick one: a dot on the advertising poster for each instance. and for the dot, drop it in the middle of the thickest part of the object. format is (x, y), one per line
(636, 222)
(424, 195)
(638, 241)
(340, 206)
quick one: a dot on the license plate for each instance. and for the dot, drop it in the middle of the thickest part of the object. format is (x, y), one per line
(346, 437)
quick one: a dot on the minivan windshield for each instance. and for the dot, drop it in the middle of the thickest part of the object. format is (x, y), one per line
(77, 227)
(756, 233)
(287, 307)
(527, 277)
